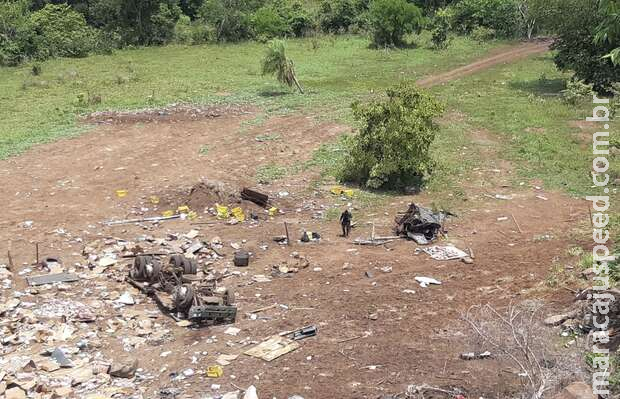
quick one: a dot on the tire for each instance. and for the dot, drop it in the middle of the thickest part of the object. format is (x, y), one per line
(190, 266)
(183, 297)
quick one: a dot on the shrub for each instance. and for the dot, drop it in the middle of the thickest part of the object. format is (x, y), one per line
(163, 23)
(183, 30)
(576, 91)
(392, 146)
(337, 16)
(440, 28)
(16, 34)
(267, 23)
(61, 32)
(299, 20)
(500, 15)
(391, 20)
(483, 34)
(575, 25)
(229, 19)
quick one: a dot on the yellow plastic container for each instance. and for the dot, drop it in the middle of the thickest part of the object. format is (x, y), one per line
(121, 193)
(167, 214)
(238, 214)
(154, 199)
(273, 211)
(222, 211)
(215, 371)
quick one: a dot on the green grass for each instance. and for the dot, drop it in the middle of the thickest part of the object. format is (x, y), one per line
(266, 174)
(520, 103)
(37, 109)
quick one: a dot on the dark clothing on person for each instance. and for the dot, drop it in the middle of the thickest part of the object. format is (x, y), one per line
(345, 222)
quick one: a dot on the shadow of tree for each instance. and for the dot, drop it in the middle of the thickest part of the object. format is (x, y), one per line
(542, 87)
(273, 93)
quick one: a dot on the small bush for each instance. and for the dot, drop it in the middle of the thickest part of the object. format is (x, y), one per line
(577, 91)
(230, 21)
(183, 30)
(392, 146)
(483, 34)
(391, 20)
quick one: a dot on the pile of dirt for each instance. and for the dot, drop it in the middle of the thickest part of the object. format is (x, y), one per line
(209, 192)
(170, 113)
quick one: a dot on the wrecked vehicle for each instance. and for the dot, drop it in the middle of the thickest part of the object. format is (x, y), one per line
(420, 224)
(180, 293)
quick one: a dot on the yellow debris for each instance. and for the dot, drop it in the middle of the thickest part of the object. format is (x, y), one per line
(215, 371)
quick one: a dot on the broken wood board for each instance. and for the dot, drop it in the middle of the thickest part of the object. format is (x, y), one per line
(272, 348)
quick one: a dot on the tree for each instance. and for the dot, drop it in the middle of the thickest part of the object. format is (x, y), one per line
(608, 30)
(276, 63)
(575, 23)
(391, 20)
(500, 15)
(230, 19)
(16, 34)
(61, 32)
(440, 28)
(392, 147)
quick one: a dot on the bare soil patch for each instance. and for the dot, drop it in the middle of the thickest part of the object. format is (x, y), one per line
(67, 188)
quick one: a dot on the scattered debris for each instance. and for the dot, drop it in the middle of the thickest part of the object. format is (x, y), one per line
(186, 298)
(418, 220)
(122, 370)
(425, 281)
(273, 348)
(256, 197)
(241, 258)
(447, 252)
(52, 279)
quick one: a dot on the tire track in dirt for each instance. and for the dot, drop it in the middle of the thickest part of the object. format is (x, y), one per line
(513, 54)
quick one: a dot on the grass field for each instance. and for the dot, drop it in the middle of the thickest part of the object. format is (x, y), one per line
(334, 71)
(519, 102)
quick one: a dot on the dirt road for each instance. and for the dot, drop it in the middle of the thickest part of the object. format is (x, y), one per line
(505, 56)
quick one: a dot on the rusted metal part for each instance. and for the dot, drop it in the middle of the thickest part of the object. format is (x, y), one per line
(191, 298)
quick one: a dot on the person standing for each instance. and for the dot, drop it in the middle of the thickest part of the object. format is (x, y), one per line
(345, 222)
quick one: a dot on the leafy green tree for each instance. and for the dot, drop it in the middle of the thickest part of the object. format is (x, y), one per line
(608, 31)
(268, 23)
(575, 23)
(502, 16)
(277, 63)
(440, 28)
(391, 20)
(392, 147)
(61, 31)
(16, 33)
(230, 20)
(338, 16)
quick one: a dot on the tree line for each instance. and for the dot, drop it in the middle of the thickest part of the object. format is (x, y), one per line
(586, 31)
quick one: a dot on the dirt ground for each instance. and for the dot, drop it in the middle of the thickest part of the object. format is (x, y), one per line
(373, 337)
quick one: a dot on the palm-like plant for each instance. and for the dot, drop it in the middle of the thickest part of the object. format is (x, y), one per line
(276, 63)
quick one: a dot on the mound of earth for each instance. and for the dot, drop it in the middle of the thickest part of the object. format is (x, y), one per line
(209, 192)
